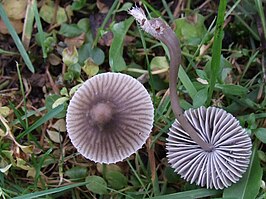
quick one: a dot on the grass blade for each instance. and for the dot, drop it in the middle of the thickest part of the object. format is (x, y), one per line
(116, 59)
(42, 120)
(197, 193)
(18, 115)
(8, 52)
(16, 39)
(262, 15)
(23, 95)
(183, 77)
(170, 14)
(50, 191)
(39, 27)
(108, 16)
(216, 49)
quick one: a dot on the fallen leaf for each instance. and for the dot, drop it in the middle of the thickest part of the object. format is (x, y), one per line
(4, 111)
(55, 136)
(31, 172)
(76, 41)
(15, 9)
(96, 21)
(9, 135)
(17, 24)
(27, 149)
(22, 164)
(5, 169)
(38, 80)
(54, 59)
(103, 8)
(60, 125)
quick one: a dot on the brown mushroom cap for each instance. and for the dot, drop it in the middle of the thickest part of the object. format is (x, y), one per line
(110, 117)
(220, 167)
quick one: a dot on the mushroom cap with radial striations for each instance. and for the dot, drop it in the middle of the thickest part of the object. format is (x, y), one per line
(220, 167)
(109, 117)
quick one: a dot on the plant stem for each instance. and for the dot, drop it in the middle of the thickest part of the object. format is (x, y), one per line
(23, 95)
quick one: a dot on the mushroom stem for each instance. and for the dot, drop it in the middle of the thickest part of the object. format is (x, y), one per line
(161, 31)
(101, 113)
(170, 40)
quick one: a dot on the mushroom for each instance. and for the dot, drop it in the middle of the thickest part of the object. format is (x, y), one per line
(206, 146)
(219, 168)
(109, 117)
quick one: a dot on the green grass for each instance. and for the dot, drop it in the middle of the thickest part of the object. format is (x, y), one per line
(230, 76)
(216, 49)
(39, 27)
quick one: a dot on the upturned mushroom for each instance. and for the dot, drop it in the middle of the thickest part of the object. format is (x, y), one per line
(206, 146)
(229, 158)
(109, 117)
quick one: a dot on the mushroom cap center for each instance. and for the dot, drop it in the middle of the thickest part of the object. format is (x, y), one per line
(101, 113)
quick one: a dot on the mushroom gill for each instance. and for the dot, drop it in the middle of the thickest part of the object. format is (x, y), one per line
(229, 158)
(109, 117)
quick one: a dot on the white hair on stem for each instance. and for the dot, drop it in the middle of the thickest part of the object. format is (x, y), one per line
(154, 27)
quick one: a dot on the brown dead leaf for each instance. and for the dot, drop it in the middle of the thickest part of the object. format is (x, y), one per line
(15, 9)
(17, 24)
(103, 8)
(75, 41)
(60, 125)
(54, 59)
(55, 136)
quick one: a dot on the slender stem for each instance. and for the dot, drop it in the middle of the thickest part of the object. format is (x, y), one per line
(161, 31)
(170, 40)
(23, 95)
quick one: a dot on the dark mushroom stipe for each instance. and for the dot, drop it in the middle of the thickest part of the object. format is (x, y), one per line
(101, 113)
(168, 37)
(161, 31)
